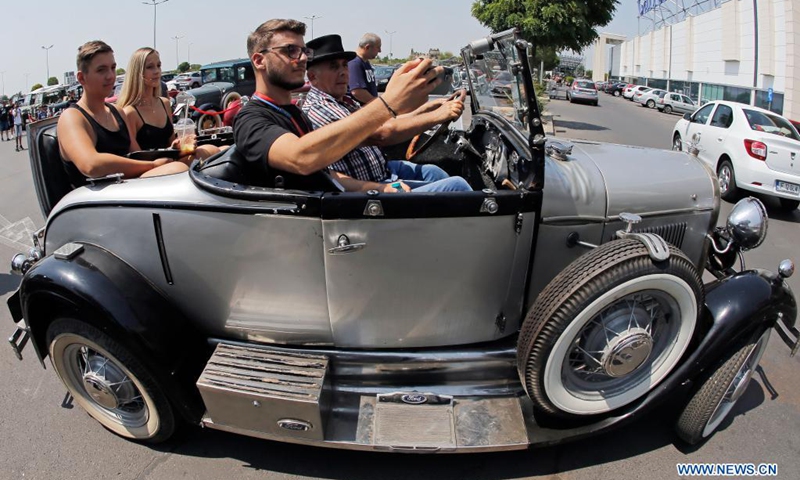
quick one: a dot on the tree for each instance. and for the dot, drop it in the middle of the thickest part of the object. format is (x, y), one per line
(580, 71)
(548, 23)
(120, 71)
(52, 81)
(36, 86)
(184, 67)
(589, 73)
(195, 67)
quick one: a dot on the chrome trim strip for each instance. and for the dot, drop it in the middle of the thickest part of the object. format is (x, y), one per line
(615, 218)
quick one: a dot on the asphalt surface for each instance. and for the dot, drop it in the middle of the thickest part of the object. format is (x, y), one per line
(43, 439)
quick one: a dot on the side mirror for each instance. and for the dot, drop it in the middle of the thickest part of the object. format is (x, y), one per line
(687, 116)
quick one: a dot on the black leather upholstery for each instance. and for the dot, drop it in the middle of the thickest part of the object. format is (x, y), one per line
(228, 166)
(55, 180)
(233, 167)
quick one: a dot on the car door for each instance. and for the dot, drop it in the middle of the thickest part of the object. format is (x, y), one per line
(717, 130)
(697, 124)
(423, 269)
(685, 104)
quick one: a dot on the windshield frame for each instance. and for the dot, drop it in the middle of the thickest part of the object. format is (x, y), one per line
(509, 52)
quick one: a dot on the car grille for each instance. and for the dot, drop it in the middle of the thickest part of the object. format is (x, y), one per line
(673, 233)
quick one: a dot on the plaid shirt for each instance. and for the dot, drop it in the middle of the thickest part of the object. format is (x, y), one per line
(363, 163)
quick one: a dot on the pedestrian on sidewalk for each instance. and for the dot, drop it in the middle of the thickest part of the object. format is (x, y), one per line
(5, 134)
(17, 115)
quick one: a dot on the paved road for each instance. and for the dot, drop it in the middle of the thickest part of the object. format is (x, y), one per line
(41, 439)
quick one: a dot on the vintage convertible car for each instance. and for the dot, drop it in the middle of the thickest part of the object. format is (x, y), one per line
(559, 299)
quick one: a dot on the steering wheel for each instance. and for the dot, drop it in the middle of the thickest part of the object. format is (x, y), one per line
(443, 127)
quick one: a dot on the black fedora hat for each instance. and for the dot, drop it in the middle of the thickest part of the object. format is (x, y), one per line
(328, 47)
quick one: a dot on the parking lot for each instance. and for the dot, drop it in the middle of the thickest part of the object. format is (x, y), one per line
(45, 439)
(614, 120)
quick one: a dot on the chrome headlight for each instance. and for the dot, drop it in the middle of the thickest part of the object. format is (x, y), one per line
(747, 223)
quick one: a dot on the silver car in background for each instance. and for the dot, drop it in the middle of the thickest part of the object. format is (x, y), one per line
(582, 91)
(675, 102)
(648, 98)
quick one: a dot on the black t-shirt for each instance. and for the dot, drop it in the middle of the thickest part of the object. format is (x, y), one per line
(256, 128)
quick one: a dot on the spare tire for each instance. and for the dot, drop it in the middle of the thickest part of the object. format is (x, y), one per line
(608, 329)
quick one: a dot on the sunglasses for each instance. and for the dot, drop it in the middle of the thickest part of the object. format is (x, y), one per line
(294, 52)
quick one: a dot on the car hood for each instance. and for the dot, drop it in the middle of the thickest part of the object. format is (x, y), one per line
(210, 89)
(600, 181)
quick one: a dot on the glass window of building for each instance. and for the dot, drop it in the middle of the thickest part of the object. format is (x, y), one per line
(763, 102)
(657, 83)
(690, 89)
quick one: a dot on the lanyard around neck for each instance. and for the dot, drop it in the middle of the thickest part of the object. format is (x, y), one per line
(271, 103)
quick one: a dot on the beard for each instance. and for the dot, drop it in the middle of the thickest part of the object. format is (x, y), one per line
(275, 78)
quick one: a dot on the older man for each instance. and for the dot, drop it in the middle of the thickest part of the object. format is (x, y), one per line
(328, 103)
(272, 134)
(363, 86)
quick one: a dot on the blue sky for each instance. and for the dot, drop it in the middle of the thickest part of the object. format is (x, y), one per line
(218, 29)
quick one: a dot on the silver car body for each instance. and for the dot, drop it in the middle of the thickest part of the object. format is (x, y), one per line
(677, 102)
(648, 97)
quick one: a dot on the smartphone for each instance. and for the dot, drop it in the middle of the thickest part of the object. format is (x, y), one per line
(446, 76)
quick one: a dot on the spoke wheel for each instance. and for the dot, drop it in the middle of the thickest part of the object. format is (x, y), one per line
(651, 104)
(108, 382)
(727, 181)
(667, 109)
(608, 329)
(720, 391)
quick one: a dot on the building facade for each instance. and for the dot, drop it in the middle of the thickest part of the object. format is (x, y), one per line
(746, 51)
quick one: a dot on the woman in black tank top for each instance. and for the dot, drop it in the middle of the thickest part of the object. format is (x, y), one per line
(140, 99)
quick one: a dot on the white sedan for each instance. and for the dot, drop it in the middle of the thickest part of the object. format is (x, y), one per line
(750, 149)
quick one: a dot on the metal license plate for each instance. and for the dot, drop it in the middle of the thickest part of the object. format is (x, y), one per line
(786, 187)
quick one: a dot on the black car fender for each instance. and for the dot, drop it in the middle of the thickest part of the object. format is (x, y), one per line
(99, 288)
(739, 306)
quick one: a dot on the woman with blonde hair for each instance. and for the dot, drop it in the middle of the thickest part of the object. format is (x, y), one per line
(147, 112)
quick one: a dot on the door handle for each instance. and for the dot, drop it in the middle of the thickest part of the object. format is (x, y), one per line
(344, 246)
(719, 139)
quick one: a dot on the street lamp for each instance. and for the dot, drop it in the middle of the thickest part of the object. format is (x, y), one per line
(47, 60)
(312, 18)
(391, 34)
(155, 5)
(176, 38)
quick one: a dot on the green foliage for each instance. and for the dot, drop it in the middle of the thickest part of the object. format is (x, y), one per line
(52, 81)
(120, 71)
(589, 73)
(36, 86)
(184, 67)
(194, 67)
(568, 81)
(580, 71)
(562, 24)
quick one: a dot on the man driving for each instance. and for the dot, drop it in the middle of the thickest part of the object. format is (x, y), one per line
(272, 134)
(328, 102)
